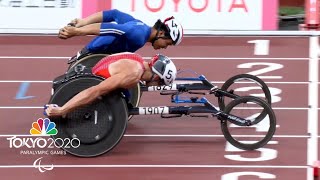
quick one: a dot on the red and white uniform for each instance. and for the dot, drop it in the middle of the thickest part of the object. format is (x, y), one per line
(102, 67)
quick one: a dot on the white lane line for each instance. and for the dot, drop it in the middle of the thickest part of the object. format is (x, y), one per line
(177, 82)
(41, 107)
(21, 107)
(187, 33)
(177, 58)
(158, 166)
(210, 136)
(32, 57)
(24, 81)
(173, 135)
(312, 144)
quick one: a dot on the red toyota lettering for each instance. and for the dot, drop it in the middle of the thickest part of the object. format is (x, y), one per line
(241, 5)
(198, 9)
(176, 2)
(219, 6)
(133, 5)
(153, 9)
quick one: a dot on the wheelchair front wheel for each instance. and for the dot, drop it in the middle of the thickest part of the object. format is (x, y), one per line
(249, 137)
(242, 85)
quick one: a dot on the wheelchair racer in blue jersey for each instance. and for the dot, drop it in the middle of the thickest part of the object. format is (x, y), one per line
(120, 32)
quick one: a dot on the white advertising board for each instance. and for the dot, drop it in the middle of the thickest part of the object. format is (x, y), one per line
(198, 14)
(37, 16)
(47, 16)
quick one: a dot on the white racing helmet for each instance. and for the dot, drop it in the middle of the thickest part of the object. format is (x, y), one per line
(175, 30)
(164, 68)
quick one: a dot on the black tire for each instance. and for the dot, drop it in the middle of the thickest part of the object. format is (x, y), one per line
(99, 126)
(249, 77)
(270, 132)
(92, 60)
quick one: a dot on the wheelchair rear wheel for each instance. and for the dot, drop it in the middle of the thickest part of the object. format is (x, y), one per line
(97, 127)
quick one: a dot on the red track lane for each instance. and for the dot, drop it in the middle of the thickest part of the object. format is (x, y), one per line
(18, 122)
(186, 150)
(169, 151)
(142, 173)
(197, 47)
(41, 93)
(47, 69)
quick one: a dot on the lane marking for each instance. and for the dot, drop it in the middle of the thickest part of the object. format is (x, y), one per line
(261, 47)
(41, 107)
(312, 144)
(160, 166)
(21, 107)
(205, 136)
(175, 135)
(177, 58)
(198, 33)
(24, 81)
(23, 89)
(177, 82)
(33, 57)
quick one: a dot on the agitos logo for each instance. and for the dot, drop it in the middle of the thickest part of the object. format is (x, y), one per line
(43, 127)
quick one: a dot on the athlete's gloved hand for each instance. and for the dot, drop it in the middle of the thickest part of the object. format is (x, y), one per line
(51, 110)
(76, 23)
(67, 32)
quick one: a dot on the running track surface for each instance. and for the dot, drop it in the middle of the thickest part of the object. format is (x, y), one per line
(180, 152)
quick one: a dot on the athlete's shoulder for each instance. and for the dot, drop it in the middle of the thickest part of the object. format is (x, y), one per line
(136, 23)
(117, 16)
(139, 32)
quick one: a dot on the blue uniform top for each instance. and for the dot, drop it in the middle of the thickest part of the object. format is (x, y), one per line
(119, 32)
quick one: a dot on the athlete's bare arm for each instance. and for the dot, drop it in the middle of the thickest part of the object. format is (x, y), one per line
(94, 18)
(89, 95)
(69, 31)
(126, 78)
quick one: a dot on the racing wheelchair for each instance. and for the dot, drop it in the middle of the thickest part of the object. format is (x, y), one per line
(100, 126)
(90, 60)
